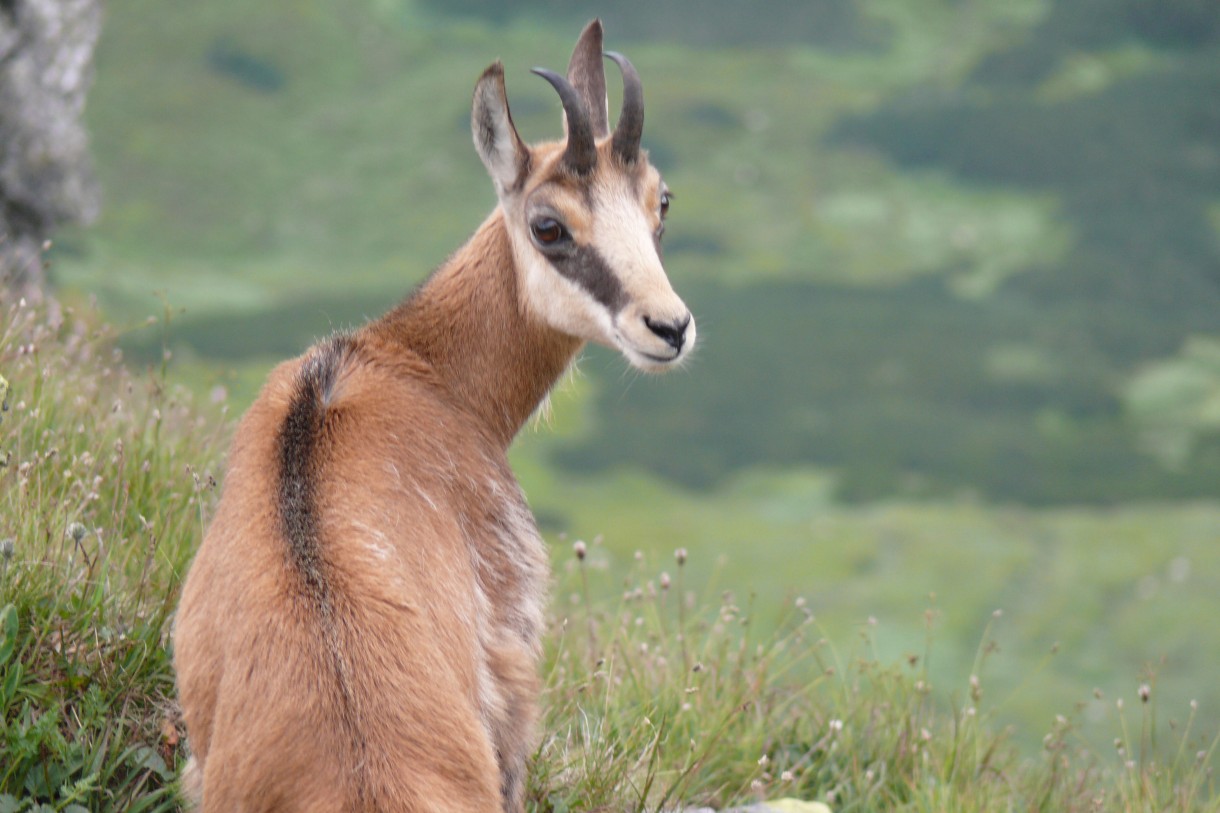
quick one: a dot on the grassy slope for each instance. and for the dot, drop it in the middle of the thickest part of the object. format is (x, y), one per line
(653, 699)
(103, 483)
(233, 200)
(1119, 595)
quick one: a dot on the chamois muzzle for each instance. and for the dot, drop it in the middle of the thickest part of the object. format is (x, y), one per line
(581, 153)
(672, 334)
(630, 128)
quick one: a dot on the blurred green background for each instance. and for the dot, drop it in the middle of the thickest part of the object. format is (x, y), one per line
(956, 266)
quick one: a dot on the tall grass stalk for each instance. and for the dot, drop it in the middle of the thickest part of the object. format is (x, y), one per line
(768, 710)
(102, 495)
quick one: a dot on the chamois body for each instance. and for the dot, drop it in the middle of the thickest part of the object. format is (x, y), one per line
(361, 626)
(394, 615)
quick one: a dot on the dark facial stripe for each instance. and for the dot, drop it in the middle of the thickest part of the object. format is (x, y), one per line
(585, 266)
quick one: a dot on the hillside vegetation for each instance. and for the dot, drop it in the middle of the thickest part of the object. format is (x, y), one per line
(953, 264)
(654, 699)
(942, 249)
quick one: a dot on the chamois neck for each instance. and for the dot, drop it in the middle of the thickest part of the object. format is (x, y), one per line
(468, 323)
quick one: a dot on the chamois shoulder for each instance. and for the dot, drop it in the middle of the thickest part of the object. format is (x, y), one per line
(352, 395)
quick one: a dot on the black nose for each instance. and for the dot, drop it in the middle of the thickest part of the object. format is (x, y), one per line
(674, 333)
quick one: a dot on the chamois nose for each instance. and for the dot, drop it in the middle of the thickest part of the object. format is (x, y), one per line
(673, 333)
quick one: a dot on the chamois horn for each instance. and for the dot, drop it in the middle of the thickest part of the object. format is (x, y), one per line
(581, 153)
(630, 128)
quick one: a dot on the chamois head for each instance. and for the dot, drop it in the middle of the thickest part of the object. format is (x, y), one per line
(586, 215)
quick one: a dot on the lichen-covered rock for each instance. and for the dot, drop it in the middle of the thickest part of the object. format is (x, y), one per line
(46, 57)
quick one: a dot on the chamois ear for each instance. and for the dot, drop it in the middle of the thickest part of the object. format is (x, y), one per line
(587, 74)
(495, 136)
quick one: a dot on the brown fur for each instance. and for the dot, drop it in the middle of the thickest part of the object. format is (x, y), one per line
(361, 626)
(360, 674)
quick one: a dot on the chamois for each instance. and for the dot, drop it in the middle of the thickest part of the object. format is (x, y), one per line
(360, 629)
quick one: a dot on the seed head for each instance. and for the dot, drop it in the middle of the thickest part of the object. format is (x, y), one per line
(1145, 692)
(680, 556)
(7, 546)
(664, 581)
(77, 531)
(581, 550)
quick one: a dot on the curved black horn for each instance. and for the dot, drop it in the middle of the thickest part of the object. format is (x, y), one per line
(630, 126)
(581, 154)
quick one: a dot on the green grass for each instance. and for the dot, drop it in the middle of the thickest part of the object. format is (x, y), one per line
(104, 481)
(655, 696)
(659, 697)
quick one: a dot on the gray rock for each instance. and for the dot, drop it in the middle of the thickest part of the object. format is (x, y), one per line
(46, 178)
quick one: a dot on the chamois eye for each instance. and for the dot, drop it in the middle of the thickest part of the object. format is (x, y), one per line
(665, 196)
(548, 232)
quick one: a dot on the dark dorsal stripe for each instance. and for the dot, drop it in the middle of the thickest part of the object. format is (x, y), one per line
(301, 466)
(299, 458)
(586, 267)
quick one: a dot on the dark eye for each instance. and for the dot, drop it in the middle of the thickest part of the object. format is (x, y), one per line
(547, 231)
(665, 196)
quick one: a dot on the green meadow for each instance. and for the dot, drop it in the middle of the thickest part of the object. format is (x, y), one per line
(953, 264)
(672, 693)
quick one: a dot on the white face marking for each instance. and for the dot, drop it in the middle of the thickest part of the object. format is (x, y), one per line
(636, 312)
(625, 237)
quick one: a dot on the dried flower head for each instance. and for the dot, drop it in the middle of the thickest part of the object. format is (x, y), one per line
(680, 556)
(581, 550)
(77, 531)
(7, 546)
(1145, 692)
